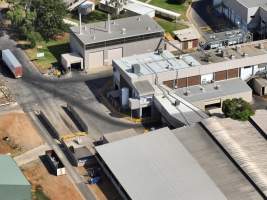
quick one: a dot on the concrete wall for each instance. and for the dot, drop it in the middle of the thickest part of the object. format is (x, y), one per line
(196, 70)
(76, 46)
(128, 49)
(247, 96)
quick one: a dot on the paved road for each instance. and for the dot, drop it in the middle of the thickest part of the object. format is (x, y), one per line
(31, 155)
(77, 180)
(35, 92)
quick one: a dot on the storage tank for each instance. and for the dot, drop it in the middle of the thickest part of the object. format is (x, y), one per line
(124, 96)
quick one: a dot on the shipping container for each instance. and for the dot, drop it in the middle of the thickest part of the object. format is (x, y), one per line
(12, 63)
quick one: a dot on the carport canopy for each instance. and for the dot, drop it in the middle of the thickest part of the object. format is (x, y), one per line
(71, 58)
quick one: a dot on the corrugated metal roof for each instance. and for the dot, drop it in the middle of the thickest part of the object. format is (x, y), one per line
(10, 173)
(157, 166)
(245, 145)
(216, 164)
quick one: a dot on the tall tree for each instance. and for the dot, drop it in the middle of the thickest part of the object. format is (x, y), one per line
(49, 17)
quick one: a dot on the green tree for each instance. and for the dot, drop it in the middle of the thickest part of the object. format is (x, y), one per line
(49, 19)
(237, 108)
(33, 18)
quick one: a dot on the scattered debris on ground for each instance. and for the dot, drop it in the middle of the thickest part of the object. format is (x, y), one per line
(17, 133)
(50, 186)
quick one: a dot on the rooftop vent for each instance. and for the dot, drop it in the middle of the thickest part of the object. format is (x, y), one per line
(232, 56)
(160, 51)
(177, 102)
(261, 46)
(187, 93)
(190, 64)
(244, 54)
(123, 31)
(139, 19)
(136, 68)
(212, 37)
(217, 87)
(148, 28)
(202, 89)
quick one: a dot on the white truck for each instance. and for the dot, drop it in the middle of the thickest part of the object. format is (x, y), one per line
(12, 63)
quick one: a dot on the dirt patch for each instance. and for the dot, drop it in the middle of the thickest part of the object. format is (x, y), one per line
(21, 133)
(54, 187)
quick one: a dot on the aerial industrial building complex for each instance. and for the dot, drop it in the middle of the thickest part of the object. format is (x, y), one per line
(247, 14)
(202, 77)
(98, 44)
(144, 106)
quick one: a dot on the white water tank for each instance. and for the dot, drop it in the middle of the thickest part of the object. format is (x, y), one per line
(124, 97)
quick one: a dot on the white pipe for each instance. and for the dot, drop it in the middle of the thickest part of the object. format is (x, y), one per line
(80, 22)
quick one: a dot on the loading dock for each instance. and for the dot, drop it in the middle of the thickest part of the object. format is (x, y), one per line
(114, 54)
(71, 60)
(96, 59)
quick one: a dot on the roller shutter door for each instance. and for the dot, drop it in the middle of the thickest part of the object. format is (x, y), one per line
(182, 82)
(168, 83)
(221, 75)
(195, 43)
(194, 80)
(232, 73)
(96, 59)
(114, 54)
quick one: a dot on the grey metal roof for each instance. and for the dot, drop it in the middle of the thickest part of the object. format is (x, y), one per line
(153, 62)
(252, 3)
(209, 91)
(259, 119)
(245, 145)
(143, 88)
(10, 173)
(157, 166)
(134, 26)
(261, 81)
(216, 164)
(82, 152)
(120, 135)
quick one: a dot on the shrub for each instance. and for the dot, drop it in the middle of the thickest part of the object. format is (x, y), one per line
(237, 108)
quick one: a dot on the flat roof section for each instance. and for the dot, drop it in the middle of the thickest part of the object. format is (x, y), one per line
(144, 88)
(186, 34)
(210, 91)
(157, 166)
(120, 135)
(245, 145)
(132, 26)
(10, 174)
(153, 62)
(216, 164)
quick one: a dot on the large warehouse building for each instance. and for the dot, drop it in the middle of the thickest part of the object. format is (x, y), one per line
(13, 184)
(172, 165)
(247, 14)
(99, 43)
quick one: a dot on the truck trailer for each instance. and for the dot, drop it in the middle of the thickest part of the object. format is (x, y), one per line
(12, 63)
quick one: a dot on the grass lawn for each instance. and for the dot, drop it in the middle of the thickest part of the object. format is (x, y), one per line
(52, 51)
(95, 16)
(166, 4)
(170, 26)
